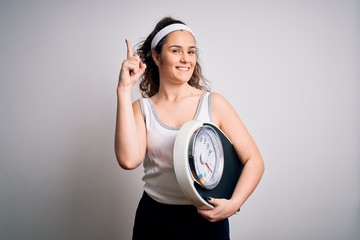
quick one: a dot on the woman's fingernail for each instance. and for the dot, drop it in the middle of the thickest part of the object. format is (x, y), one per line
(208, 198)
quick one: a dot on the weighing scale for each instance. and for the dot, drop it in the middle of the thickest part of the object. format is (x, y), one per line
(205, 162)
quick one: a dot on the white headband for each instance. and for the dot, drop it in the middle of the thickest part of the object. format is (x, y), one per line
(166, 30)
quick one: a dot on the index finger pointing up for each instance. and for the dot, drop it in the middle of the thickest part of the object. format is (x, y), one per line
(129, 49)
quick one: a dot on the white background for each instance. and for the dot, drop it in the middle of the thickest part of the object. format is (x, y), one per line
(290, 68)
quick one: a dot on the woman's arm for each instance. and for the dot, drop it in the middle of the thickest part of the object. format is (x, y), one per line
(226, 118)
(130, 134)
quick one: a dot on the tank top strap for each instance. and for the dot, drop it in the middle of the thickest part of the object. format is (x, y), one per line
(145, 107)
(204, 111)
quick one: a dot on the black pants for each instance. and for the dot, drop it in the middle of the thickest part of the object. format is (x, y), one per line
(155, 220)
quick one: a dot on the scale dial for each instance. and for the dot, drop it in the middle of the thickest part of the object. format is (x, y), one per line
(206, 157)
(200, 150)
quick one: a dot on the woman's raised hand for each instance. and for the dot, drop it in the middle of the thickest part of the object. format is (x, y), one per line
(131, 69)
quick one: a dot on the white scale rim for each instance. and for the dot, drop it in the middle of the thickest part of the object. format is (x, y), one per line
(182, 168)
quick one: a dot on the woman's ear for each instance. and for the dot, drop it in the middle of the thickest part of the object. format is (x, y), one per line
(156, 57)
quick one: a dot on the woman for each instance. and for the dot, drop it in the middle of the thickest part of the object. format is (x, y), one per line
(174, 91)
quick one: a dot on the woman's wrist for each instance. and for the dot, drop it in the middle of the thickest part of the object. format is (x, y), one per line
(124, 90)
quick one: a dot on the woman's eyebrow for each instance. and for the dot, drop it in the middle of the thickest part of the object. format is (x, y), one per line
(179, 46)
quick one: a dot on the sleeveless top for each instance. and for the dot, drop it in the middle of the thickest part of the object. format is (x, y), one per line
(159, 178)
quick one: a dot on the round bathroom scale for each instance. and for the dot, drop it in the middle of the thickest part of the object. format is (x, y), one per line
(205, 162)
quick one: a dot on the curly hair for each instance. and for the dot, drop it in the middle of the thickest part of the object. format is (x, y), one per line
(150, 81)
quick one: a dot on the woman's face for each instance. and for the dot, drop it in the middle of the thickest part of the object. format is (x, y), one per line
(178, 57)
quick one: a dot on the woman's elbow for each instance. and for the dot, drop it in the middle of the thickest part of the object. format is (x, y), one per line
(128, 163)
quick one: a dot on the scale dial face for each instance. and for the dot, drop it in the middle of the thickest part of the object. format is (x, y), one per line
(206, 157)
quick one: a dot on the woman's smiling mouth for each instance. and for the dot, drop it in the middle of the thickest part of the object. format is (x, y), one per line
(183, 68)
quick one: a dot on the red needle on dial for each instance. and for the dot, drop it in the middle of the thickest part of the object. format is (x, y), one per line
(207, 165)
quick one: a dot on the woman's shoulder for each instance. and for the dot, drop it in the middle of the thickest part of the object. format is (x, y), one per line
(139, 104)
(218, 99)
(220, 107)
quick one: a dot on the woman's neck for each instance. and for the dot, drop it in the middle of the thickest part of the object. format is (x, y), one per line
(175, 92)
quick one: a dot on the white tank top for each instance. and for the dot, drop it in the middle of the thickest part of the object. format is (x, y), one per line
(160, 180)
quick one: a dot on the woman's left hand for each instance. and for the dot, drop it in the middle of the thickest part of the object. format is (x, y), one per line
(223, 208)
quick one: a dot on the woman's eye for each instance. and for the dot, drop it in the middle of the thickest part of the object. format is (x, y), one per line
(192, 52)
(177, 51)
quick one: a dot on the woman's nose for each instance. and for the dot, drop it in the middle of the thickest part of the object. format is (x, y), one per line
(184, 58)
